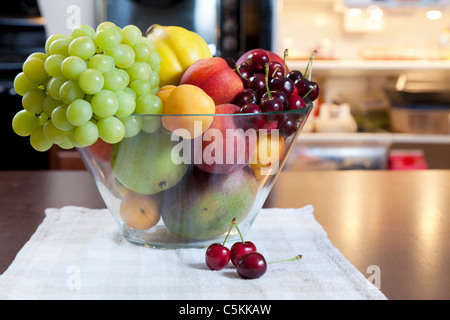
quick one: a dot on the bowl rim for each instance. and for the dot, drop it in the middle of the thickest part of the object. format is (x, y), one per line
(295, 111)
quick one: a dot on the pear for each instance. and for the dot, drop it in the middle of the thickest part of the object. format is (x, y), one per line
(203, 204)
(144, 162)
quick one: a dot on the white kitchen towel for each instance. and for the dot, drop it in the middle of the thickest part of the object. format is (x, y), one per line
(78, 253)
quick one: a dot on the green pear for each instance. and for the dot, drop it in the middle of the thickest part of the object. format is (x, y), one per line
(144, 163)
(203, 204)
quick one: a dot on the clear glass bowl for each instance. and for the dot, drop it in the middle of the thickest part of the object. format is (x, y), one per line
(181, 180)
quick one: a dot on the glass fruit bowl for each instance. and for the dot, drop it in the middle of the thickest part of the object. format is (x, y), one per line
(181, 179)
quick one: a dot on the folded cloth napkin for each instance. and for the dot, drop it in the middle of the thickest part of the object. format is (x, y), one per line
(78, 253)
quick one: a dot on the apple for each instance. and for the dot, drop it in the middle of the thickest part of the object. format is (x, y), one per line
(225, 147)
(215, 77)
(272, 57)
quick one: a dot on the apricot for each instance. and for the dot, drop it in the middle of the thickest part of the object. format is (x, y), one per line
(139, 211)
(165, 91)
(193, 102)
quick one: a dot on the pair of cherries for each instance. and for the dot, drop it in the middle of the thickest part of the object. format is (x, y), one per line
(249, 263)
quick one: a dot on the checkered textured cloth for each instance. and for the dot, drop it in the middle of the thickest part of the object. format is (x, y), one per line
(77, 253)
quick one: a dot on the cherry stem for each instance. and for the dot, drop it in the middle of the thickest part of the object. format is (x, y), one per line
(309, 65)
(237, 228)
(267, 80)
(275, 71)
(240, 74)
(233, 222)
(298, 257)
(315, 86)
(285, 56)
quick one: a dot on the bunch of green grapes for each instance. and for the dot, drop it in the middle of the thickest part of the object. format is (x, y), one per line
(88, 86)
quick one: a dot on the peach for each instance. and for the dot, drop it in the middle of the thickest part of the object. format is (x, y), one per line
(139, 211)
(215, 77)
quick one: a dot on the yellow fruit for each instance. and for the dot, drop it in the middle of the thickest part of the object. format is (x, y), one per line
(178, 48)
(139, 211)
(188, 99)
(267, 155)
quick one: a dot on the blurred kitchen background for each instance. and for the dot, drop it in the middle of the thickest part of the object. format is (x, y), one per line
(383, 67)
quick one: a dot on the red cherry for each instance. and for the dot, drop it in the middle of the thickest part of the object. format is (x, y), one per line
(251, 265)
(240, 249)
(217, 256)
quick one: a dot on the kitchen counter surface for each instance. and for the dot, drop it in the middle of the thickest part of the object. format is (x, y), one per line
(396, 222)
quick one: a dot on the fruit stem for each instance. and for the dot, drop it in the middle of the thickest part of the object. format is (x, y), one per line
(233, 222)
(298, 257)
(275, 71)
(239, 231)
(267, 80)
(309, 65)
(240, 74)
(285, 56)
(315, 86)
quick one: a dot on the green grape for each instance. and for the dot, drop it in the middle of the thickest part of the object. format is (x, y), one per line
(66, 144)
(133, 125)
(59, 118)
(131, 35)
(43, 118)
(83, 47)
(24, 122)
(22, 84)
(34, 70)
(40, 55)
(139, 71)
(130, 91)
(155, 62)
(151, 124)
(70, 91)
(148, 104)
(72, 67)
(54, 85)
(105, 24)
(91, 81)
(140, 87)
(128, 58)
(60, 46)
(115, 80)
(49, 105)
(107, 38)
(127, 103)
(87, 134)
(154, 80)
(117, 53)
(83, 30)
(79, 112)
(38, 140)
(53, 65)
(101, 62)
(73, 140)
(142, 51)
(52, 38)
(111, 130)
(105, 103)
(53, 134)
(33, 100)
